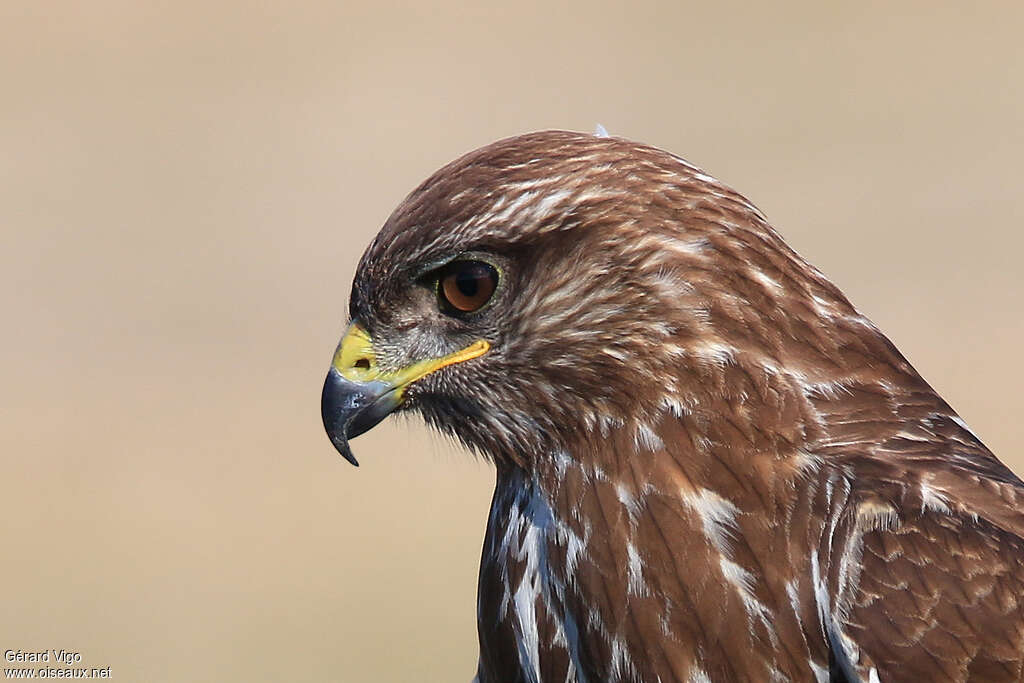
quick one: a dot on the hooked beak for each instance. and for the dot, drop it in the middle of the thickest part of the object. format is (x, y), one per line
(357, 394)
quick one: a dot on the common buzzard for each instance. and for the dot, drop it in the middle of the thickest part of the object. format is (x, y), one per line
(710, 465)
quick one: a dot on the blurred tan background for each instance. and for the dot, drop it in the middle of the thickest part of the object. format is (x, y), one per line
(185, 189)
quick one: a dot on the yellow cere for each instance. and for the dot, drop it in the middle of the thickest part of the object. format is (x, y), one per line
(355, 360)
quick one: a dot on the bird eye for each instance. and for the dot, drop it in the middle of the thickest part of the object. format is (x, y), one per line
(465, 286)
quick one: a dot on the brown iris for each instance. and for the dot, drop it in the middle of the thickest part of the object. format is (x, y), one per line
(465, 286)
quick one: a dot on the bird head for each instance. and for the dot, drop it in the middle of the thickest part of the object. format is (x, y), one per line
(556, 287)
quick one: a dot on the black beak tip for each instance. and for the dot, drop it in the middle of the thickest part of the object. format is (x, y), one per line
(343, 448)
(351, 408)
(336, 413)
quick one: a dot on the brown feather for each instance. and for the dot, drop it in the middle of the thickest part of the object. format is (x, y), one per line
(710, 465)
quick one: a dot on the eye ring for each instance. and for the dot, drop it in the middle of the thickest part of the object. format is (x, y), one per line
(465, 286)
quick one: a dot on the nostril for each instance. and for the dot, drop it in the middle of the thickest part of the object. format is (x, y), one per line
(363, 364)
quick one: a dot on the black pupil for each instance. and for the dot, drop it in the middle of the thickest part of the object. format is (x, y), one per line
(468, 280)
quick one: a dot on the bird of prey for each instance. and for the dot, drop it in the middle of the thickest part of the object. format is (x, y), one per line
(710, 465)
